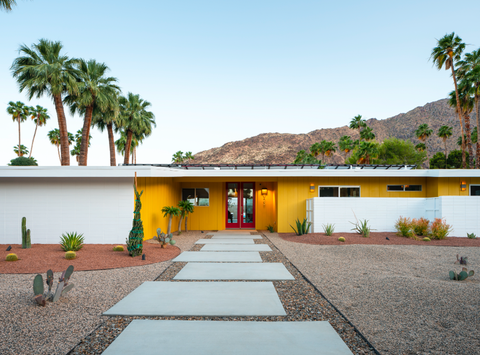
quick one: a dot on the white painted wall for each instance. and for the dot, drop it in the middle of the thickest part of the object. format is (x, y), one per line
(463, 213)
(100, 208)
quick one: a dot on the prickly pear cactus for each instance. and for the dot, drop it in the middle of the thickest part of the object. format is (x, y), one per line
(135, 238)
(462, 275)
(26, 241)
(38, 290)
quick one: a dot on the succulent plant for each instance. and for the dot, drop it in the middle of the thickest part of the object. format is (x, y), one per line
(163, 238)
(342, 239)
(462, 260)
(69, 255)
(462, 275)
(62, 287)
(426, 239)
(11, 257)
(118, 248)
(26, 241)
(135, 237)
(471, 236)
(38, 290)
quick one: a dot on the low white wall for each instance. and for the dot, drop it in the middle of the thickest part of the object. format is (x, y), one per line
(100, 208)
(463, 213)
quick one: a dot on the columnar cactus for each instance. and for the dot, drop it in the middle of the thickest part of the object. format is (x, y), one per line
(135, 238)
(26, 242)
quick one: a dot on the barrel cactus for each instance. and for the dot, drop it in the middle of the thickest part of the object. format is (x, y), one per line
(69, 255)
(118, 248)
(342, 239)
(11, 257)
(426, 239)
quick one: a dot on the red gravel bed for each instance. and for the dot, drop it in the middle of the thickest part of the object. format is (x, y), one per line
(41, 257)
(376, 238)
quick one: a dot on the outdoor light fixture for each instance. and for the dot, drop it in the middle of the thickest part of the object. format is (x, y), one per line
(312, 187)
(463, 186)
(264, 193)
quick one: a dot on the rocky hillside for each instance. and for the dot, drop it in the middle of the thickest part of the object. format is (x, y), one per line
(281, 148)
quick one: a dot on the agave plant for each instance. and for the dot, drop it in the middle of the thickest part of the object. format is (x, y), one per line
(302, 227)
(71, 241)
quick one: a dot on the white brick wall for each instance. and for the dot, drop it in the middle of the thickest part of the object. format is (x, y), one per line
(100, 208)
(463, 213)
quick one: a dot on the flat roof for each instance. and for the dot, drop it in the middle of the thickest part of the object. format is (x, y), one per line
(154, 171)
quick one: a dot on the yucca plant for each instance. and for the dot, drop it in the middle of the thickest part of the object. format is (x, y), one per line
(362, 227)
(71, 241)
(302, 227)
(328, 228)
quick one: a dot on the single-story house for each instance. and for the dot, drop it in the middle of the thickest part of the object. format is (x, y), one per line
(98, 201)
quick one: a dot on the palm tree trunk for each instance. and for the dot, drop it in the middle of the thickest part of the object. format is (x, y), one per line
(459, 112)
(111, 143)
(445, 142)
(169, 224)
(62, 125)
(20, 153)
(127, 147)
(59, 158)
(186, 220)
(87, 123)
(34, 134)
(469, 139)
(180, 225)
(477, 99)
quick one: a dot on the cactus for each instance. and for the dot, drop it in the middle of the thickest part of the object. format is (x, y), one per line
(38, 290)
(342, 239)
(163, 238)
(62, 287)
(462, 275)
(11, 257)
(462, 260)
(135, 238)
(426, 239)
(26, 241)
(69, 255)
(118, 248)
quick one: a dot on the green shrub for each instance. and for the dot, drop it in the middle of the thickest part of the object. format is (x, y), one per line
(302, 227)
(118, 248)
(342, 239)
(404, 227)
(69, 255)
(471, 236)
(426, 239)
(362, 228)
(23, 161)
(420, 226)
(328, 228)
(440, 229)
(71, 241)
(11, 257)
(270, 228)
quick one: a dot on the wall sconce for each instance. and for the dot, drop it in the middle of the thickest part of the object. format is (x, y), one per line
(264, 193)
(463, 186)
(312, 187)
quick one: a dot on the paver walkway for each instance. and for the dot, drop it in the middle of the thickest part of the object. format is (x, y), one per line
(219, 298)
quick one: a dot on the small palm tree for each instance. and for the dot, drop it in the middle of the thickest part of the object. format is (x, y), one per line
(422, 133)
(346, 145)
(367, 134)
(315, 149)
(54, 137)
(448, 51)
(40, 117)
(19, 113)
(357, 123)
(366, 151)
(445, 132)
(170, 211)
(188, 156)
(78, 144)
(421, 147)
(121, 144)
(23, 150)
(177, 157)
(186, 207)
(328, 148)
(107, 120)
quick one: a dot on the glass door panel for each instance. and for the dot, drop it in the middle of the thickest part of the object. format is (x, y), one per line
(248, 210)
(240, 205)
(233, 192)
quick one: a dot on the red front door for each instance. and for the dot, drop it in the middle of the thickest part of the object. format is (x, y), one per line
(240, 205)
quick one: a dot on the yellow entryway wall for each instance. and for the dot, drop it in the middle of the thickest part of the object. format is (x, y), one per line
(284, 203)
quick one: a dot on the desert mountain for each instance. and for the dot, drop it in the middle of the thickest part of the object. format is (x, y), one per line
(281, 148)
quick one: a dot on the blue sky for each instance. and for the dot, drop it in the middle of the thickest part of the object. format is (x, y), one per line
(217, 71)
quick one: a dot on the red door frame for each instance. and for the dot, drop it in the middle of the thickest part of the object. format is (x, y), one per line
(239, 224)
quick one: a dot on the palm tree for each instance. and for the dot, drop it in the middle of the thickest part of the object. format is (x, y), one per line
(121, 144)
(445, 132)
(366, 151)
(7, 4)
(170, 211)
(19, 113)
(346, 145)
(367, 134)
(422, 133)
(107, 120)
(465, 90)
(95, 90)
(177, 157)
(23, 150)
(328, 148)
(469, 68)
(78, 143)
(54, 137)
(421, 147)
(135, 118)
(448, 51)
(315, 149)
(189, 156)
(40, 117)
(43, 70)
(187, 208)
(357, 123)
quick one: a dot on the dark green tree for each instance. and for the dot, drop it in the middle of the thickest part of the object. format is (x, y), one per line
(455, 159)
(394, 151)
(135, 238)
(438, 161)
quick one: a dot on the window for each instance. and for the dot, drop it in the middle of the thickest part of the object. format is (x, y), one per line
(474, 190)
(404, 187)
(197, 196)
(339, 191)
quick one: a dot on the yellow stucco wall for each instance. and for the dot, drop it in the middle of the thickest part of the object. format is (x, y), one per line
(284, 203)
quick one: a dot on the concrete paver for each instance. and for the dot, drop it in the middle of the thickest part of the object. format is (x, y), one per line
(225, 241)
(236, 247)
(218, 256)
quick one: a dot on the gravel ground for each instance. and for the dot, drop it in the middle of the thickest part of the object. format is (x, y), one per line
(302, 302)
(30, 329)
(399, 297)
